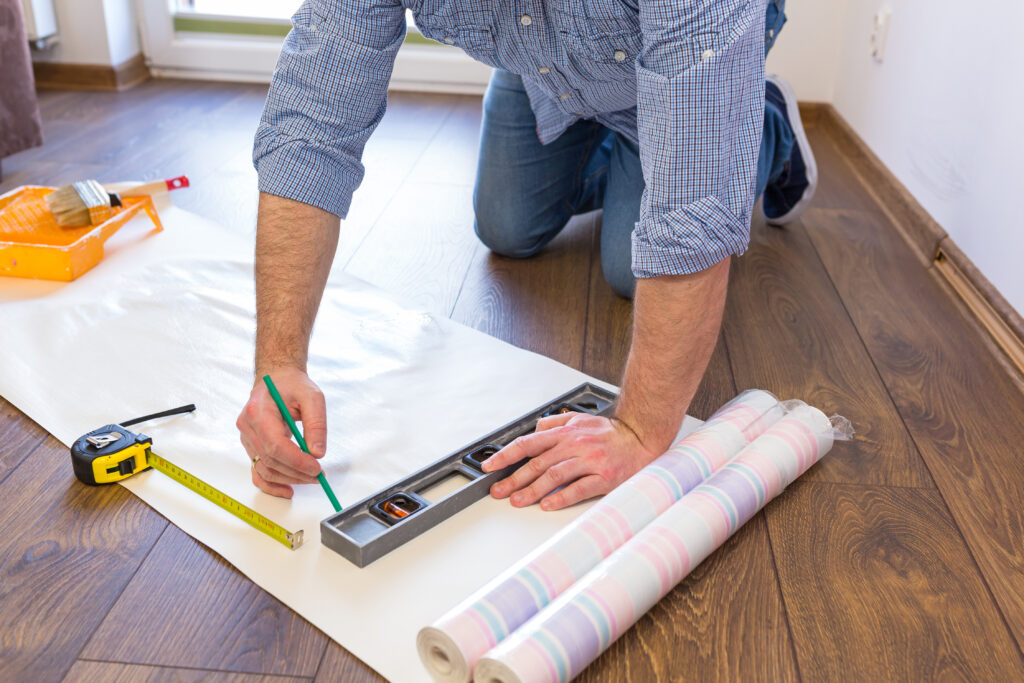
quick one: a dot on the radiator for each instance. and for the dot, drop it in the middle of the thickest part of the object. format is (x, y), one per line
(40, 21)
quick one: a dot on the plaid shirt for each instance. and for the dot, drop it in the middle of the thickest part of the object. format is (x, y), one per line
(684, 79)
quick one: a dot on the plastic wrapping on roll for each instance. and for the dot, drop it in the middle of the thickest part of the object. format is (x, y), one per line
(451, 646)
(567, 635)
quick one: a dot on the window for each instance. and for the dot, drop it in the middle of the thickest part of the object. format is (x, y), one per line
(241, 39)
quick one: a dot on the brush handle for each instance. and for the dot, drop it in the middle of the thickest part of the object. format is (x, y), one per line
(155, 187)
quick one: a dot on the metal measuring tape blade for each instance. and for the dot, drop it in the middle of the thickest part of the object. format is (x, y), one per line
(378, 524)
(113, 453)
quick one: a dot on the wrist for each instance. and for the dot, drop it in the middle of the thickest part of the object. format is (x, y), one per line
(269, 364)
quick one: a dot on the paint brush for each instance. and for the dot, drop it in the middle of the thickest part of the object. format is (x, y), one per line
(87, 202)
(298, 437)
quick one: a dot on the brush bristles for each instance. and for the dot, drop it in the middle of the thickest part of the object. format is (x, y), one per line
(81, 203)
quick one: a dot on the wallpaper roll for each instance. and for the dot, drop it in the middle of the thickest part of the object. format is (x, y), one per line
(451, 646)
(561, 640)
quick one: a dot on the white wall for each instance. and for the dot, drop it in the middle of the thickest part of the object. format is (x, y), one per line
(93, 32)
(807, 51)
(944, 113)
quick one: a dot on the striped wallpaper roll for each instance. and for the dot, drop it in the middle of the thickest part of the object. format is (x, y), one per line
(560, 641)
(451, 646)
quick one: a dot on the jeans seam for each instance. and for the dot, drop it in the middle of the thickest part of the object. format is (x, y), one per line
(584, 158)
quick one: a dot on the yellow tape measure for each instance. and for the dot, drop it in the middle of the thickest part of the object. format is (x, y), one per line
(112, 453)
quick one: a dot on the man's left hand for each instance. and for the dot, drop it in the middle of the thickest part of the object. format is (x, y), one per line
(581, 455)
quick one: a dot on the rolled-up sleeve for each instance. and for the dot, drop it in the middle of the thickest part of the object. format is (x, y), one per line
(700, 109)
(328, 93)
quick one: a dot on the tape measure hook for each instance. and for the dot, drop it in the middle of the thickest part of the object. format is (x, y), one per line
(99, 441)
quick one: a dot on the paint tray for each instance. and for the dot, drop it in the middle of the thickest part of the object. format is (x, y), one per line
(32, 245)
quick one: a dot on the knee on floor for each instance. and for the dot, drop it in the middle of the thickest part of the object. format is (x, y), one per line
(506, 236)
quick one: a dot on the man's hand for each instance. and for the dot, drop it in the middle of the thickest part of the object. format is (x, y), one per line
(587, 454)
(295, 245)
(677, 318)
(277, 461)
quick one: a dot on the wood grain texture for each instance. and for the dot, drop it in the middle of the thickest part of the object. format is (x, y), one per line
(960, 406)
(66, 552)
(451, 156)
(724, 622)
(879, 586)
(110, 672)
(339, 665)
(438, 244)
(19, 435)
(539, 303)
(186, 607)
(787, 332)
(838, 188)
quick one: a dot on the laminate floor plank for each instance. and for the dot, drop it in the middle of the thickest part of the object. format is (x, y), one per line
(187, 607)
(787, 332)
(540, 303)
(958, 403)
(724, 622)
(110, 672)
(66, 552)
(452, 154)
(437, 246)
(879, 586)
(340, 665)
(19, 436)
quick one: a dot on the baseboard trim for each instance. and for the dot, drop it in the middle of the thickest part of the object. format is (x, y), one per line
(983, 300)
(926, 237)
(58, 75)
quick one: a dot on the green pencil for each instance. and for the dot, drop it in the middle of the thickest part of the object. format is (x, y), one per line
(298, 437)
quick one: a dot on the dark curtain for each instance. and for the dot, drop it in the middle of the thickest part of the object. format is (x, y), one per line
(20, 127)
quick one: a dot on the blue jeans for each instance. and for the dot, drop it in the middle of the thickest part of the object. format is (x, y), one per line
(526, 192)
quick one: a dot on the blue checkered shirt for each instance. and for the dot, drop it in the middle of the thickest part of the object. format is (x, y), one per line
(684, 79)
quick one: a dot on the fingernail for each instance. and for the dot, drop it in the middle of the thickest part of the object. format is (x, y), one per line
(485, 466)
(545, 504)
(497, 490)
(518, 499)
(319, 448)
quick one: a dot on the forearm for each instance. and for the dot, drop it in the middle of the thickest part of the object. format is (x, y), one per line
(676, 323)
(295, 245)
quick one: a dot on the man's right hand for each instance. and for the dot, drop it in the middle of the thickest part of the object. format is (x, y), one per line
(277, 461)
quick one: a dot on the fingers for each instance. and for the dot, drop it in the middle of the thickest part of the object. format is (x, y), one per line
(255, 449)
(528, 446)
(580, 490)
(545, 423)
(526, 474)
(313, 413)
(559, 474)
(278, 490)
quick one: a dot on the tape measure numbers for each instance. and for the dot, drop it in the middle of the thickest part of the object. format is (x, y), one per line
(113, 453)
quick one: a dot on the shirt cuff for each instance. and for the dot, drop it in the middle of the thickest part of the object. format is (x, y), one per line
(687, 240)
(304, 173)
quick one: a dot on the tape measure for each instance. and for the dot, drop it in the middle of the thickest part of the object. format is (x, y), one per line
(113, 453)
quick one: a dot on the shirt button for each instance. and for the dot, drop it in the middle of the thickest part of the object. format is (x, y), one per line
(578, 113)
(565, 96)
(544, 70)
(449, 40)
(526, 20)
(620, 56)
(708, 54)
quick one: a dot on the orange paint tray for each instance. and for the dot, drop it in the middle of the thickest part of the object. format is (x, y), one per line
(32, 245)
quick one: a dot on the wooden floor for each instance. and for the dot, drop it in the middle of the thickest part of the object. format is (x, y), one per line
(899, 557)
